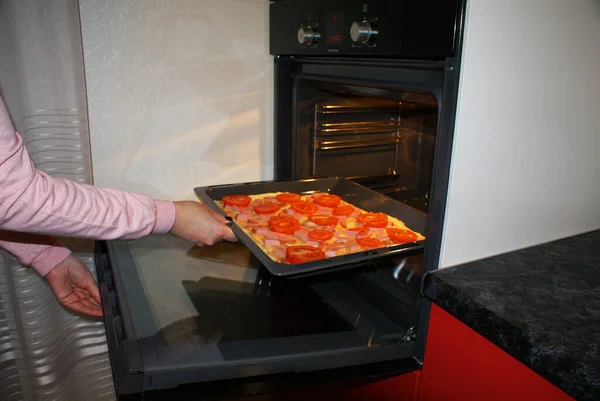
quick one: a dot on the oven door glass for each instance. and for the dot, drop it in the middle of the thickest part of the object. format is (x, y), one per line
(196, 314)
(382, 138)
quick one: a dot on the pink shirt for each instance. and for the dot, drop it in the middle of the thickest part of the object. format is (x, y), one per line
(33, 202)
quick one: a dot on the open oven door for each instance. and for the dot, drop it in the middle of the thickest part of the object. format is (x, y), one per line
(185, 320)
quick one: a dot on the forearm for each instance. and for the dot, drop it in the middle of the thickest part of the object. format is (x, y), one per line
(42, 253)
(45, 205)
(33, 202)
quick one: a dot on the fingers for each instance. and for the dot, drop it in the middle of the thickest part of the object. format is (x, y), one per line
(217, 216)
(92, 288)
(91, 303)
(85, 302)
(85, 306)
(225, 233)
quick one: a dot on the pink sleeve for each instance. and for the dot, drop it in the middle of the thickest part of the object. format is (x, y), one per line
(42, 253)
(33, 202)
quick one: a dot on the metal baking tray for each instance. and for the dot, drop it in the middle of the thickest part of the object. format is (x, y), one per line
(351, 192)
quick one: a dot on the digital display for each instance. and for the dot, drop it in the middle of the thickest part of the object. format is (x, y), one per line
(334, 31)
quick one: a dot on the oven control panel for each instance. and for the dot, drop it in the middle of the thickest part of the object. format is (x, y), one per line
(396, 28)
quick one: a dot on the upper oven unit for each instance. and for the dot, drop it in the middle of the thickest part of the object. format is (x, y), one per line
(412, 29)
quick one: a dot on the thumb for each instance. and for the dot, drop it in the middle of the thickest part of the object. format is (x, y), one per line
(228, 234)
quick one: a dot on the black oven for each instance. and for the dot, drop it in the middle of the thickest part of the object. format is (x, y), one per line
(363, 89)
(368, 90)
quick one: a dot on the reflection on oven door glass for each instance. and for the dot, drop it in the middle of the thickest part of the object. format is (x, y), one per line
(219, 303)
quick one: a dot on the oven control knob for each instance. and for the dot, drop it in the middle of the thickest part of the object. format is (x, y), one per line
(362, 32)
(308, 36)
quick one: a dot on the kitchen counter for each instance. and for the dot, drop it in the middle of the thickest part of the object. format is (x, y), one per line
(541, 305)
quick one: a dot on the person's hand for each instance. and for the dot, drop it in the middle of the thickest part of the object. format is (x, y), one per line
(74, 286)
(200, 224)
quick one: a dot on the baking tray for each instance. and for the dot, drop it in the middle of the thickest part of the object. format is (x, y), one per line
(349, 191)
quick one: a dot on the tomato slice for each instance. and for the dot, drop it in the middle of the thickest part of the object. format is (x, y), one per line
(304, 207)
(369, 243)
(328, 200)
(236, 200)
(320, 235)
(377, 220)
(401, 235)
(343, 210)
(266, 208)
(288, 198)
(284, 224)
(324, 220)
(303, 254)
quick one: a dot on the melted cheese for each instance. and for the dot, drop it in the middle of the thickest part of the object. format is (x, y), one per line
(351, 222)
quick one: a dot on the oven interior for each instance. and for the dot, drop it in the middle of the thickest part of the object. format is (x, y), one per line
(379, 137)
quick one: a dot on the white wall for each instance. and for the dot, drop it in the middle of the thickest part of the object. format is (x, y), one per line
(526, 159)
(179, 93)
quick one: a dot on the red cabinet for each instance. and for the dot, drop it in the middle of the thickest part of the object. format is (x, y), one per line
(460, 364)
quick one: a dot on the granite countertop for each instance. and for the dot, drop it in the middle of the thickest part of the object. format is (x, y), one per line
(540, 304)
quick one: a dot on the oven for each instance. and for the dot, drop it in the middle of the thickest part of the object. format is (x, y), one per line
(368, 90)
(363, 90)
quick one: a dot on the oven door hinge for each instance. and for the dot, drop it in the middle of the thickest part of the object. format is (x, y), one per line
(418, 361)
(410, 335)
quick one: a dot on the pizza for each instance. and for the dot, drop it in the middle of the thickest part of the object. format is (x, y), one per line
(292, 228)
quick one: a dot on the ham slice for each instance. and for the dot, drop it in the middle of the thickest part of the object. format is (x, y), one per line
(381, 235)
(272, 242)
(303, 235)
(287, 239)
(279, 252)
(242, 217)
(336, 246)
(266, 217)
(352, 246)
(313, 243)
(330, 254)
(323, 210)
